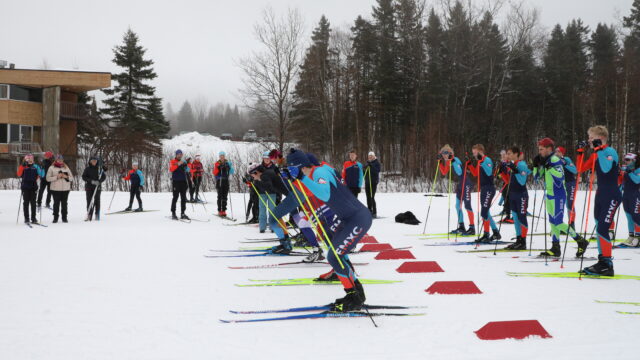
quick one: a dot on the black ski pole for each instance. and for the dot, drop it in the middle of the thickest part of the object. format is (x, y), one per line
(533, 219)
(501, 219)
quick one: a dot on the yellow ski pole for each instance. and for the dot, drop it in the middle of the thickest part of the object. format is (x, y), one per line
(302, 205)
(324, 232)
(283, 226)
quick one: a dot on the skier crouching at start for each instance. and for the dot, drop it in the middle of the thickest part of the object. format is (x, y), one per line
(355, 222)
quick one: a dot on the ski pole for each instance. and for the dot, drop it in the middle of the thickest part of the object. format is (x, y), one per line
(304, 209)
(203, 196)
(273, 203)
(542, 205)
(19, 203)
(615, 229)
(592, 177)
(573, 207)
(535, 198)
(112, 196)
(544, 202)
(266, 205)
(463, 192)
(449, 207)
(95, 190)
(244, 200)
(324, 232)
(433, 184)
(230, 200)
(501, 220)
(480, 225)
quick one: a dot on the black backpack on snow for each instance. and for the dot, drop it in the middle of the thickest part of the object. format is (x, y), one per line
(407, 218)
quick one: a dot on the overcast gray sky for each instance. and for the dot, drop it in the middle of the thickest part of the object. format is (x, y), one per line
(194, 42)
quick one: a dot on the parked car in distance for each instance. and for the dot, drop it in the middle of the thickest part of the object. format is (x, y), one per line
(250, 136)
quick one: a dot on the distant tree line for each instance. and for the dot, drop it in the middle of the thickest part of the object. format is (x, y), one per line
(198, 115)
(414, 77)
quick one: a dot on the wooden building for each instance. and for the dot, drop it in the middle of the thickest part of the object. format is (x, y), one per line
(39, 112)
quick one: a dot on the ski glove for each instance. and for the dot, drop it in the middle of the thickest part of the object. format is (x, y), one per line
(295, 173)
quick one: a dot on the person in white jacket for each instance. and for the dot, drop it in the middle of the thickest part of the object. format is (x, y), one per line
(60, 177)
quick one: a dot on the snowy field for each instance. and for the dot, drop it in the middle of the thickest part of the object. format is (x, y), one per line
(138, 286)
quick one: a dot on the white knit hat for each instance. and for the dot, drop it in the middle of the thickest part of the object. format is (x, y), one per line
(371, 153)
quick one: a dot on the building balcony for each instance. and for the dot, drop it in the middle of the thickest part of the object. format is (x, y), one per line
(75, 111)
(24, 148)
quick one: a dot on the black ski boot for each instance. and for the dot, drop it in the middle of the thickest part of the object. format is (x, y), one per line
(284, 248)
(520, 244)
(582, 246)
(138, 209)
(184, 216)
(460, 230)
(553, 252)
(484, 239)
(471, 231)
(128, 208)
(496, 235)
(604, 267)
(55, 219)
(174, 216)
(354, 300)
(34, 221)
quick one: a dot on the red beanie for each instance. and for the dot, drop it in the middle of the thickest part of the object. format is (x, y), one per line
(562, 150)
(546, 142)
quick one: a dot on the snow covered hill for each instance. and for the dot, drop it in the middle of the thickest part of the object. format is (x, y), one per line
(138, 286)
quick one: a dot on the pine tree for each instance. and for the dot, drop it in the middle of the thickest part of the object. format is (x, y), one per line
(386, 81)
(604, 57)
(311, 116)
(186, 119)
(630, 88)
(131, 109)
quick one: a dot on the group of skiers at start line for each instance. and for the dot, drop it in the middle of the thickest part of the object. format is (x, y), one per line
(616, 183)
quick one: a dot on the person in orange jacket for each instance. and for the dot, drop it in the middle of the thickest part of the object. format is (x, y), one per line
(352, 174)
(179, 170)
(197, 169)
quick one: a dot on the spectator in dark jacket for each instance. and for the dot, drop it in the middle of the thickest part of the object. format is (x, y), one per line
(93, 175)
(267, 184)
(352, 175)
(371, 179)
(222, 170)
(29, 173)
(44, 184)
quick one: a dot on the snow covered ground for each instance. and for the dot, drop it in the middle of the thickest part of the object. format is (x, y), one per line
(137, 286)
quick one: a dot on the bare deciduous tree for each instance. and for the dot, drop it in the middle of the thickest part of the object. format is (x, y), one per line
(271, 72)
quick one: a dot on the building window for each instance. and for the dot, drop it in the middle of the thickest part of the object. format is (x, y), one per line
(26, 133)
(24, 93)
(14, 133)
(4, 91)
(4, 133)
